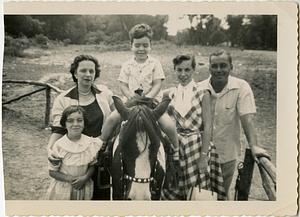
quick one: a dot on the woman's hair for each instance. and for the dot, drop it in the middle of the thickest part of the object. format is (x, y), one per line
(140, 31)
(81, 58)
(72, 109)
(220, 53)
(183, 57)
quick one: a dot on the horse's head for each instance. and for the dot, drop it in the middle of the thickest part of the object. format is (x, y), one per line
(140, 139)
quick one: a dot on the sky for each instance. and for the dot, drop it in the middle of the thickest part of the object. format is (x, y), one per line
(179, 22)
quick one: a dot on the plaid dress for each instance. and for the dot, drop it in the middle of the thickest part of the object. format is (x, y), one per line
(190, 143)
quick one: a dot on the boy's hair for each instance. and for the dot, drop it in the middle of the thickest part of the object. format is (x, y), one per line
(72, 109)
(182, 57)
(220, 53)
(140, 31)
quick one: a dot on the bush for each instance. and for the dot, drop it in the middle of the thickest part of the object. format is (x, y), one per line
(14, 47)
(67, 41)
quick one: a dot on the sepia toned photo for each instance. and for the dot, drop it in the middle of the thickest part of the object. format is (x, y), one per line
(132, 109)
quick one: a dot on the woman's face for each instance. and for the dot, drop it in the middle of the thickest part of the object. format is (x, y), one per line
(184, 72)
(85, 73)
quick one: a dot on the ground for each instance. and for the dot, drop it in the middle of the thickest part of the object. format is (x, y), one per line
(25, 137)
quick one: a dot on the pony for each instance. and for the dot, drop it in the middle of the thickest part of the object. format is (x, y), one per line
(138, 160)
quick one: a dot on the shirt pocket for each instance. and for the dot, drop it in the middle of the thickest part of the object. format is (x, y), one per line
(227, 115)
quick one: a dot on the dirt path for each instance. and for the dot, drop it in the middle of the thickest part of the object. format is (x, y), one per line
(24, 157)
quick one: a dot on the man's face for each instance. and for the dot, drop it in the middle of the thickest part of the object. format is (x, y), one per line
(220, 68)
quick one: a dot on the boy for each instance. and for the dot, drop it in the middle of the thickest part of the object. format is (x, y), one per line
(142, 76)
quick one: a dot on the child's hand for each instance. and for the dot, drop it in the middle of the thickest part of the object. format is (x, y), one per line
(78, 182)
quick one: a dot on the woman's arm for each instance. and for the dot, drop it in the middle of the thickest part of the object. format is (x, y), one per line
(51, 156)
(79, 182)
(61, 176)
(125, 90)
(206, 121)
(107, 129)
(155, 89)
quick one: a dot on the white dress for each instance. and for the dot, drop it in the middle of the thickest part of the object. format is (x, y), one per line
(76, 158)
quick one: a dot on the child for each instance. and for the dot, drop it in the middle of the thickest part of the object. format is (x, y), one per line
(142, 76)
(78, 153)
(191, 110)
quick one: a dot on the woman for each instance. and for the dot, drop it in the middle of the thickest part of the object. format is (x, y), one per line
(191, 110)
(98, 104)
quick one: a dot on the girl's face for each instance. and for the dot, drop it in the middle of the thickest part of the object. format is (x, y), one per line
(184, 72)
(85, 73)
(74, 125)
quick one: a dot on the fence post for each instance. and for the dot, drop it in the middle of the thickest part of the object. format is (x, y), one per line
(48, 102)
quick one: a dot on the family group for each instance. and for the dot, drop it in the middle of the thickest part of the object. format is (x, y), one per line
(204, 124)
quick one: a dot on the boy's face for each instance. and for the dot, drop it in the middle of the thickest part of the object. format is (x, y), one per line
(74, 124)
(141, 47)
(184, 72)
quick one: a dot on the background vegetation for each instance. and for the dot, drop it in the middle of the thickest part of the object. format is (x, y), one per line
(258, 32)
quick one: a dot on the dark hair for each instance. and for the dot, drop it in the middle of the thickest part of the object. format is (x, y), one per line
(220, 53)
(81, 58)
(140, 31)
(182, 57)
(72, 109)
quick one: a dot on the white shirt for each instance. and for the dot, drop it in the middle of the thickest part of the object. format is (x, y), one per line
(183, 98)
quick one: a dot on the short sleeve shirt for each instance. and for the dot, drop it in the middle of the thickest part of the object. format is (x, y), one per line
(141, 76)
(235, 100)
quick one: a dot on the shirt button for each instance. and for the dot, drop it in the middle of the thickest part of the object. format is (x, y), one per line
(216, 113)
(214, 128)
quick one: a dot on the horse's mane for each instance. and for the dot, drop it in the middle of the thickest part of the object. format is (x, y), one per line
(140, 119)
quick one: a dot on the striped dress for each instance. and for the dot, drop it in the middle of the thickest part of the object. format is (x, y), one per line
(190, 143)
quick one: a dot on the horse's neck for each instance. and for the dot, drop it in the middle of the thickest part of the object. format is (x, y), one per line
(142, 163)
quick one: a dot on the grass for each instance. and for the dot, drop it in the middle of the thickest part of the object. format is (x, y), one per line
(259, 68)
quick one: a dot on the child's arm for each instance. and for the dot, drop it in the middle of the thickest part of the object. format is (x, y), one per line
(61, 176)
(79, 182)
(155, 89)
(109, 125)
(206, 121)
(125, 90)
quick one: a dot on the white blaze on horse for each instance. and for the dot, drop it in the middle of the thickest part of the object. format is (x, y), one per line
(138, 164)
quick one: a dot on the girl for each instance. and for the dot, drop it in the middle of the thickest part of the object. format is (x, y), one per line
(191, 110)
(78, 154)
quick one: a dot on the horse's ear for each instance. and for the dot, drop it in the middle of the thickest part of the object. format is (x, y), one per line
(161, 108)
(121, 108)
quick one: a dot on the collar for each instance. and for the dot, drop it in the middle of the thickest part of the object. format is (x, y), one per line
(189, 86)
(232, 84)
(73, 92)
(74, 147)
(132, 61)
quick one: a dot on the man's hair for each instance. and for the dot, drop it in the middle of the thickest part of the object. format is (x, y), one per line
(140, 31)
(219, 53)
(183, 57)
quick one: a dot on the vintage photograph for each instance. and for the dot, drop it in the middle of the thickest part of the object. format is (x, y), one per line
(155, 106)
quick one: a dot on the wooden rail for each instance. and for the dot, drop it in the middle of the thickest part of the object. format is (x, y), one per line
(245, 171)
(45, 86)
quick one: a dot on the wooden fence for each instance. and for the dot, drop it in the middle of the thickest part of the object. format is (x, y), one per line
(45, 86)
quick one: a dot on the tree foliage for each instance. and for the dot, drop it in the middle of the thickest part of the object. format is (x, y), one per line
(80, 29)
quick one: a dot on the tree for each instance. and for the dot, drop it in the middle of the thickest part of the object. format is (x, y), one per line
(235, 30)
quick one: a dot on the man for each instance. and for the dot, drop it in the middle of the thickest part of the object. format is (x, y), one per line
(232, 103)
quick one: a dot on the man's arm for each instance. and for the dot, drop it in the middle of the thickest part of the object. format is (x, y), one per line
(250, 132)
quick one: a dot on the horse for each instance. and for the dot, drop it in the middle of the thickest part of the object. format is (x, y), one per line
(138, 161)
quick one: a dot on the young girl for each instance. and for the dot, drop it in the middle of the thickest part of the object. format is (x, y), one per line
(78, 153)
(191, 110)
